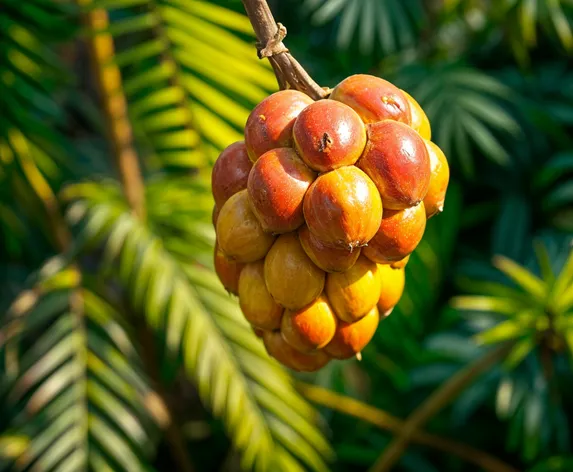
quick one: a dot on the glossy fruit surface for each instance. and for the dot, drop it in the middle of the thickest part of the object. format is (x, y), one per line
(350, 338)
(343, 208)
(420, 122)
(311, 327)
(353, 293)
(393, 281)
(228, 271)
(230, 172)
(397, 161)
(239, 234)
(291, 277)
(373, 98)
(255, 300)
(278, 348)
(401, 263)
(269, 125)
(327, 258)
(436, 196)
(328, 135)
(277, 185)
(399, 234)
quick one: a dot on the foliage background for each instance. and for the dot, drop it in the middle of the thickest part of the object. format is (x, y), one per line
(119, 348)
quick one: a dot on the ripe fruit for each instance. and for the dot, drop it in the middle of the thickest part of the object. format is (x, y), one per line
(397, 161)
(215, 216)
(276, 187)
(434, 201)
(230, 172)
(350, 338)
(291, 277)
(228, 271)
(239, 233)
(270, 123)
(373, 98)
(353, 293)
(420, 122)
(343, 208)
(399, 234)
(329, 259)
(328, 135)
(309, 328)
(255, 300)
(401, 263)
(302, 362)
(393, 281)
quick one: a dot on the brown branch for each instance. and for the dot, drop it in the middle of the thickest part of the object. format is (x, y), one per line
(289, 73)
(387, 422)
(441, 397)
(109, 83)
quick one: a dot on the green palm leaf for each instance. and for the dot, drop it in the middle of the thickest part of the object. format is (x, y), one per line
(185, 303)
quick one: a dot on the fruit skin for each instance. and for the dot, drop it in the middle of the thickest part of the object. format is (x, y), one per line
(311, 327)
(270, 123)
(329, 259)
(277, 185)
(373, 98)
(329, 134)
(393, 281)
(230, 172)
(239, 233)
(353, 293)
(215, 216)
(397, 161)
(256, 302)
(343, 208)
(258, 332)
(278, 348)
(227, 270)
(401, 263)
(291, 277)
(399, 234)
(420, 122)
(350, 338)
(434, 200)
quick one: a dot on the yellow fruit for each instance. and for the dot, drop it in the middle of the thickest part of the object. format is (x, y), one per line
(309, 328)
(350, 338)
(239, 233)
(420, 122)
(353, 293)
(302, 362)
(291, 277)
(255, 300)
(392, 287)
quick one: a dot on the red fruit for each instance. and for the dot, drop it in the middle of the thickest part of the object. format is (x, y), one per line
(434, 200)
(328, 135)
(276, 187)
(227, 270)
(373, 98)
(393, 281)
(278, 348)
(420, 122)
(329, 259)
(256, 302)
(343, 208)
(230, 172)
(291, 277)
(309, 328)
(397, 161)
(353, 293)
(350, 338)
(270, 123)
(399, 234)
(239, 233)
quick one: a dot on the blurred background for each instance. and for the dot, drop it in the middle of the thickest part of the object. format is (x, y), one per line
(119, 348)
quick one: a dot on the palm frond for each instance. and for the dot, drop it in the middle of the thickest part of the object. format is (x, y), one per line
(184, 302)
(74, 385)
(190, 75)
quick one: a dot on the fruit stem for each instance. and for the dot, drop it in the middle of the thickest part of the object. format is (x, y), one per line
(387, 422)
(289, 72)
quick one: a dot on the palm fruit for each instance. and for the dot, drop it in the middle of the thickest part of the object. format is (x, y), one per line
(420, 122)
(278, 348)
(350, 338)
(230, 172)
(227, 270)
(329, 259)
(393, 281)
(440, 177)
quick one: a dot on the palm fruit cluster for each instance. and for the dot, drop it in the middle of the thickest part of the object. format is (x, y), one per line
(317, 212)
